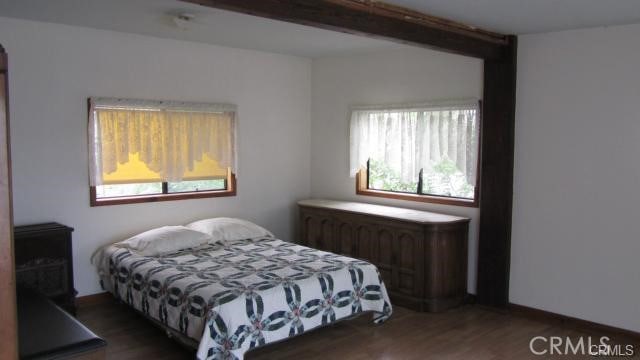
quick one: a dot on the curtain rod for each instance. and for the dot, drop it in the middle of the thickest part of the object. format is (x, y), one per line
(467, 103)
(139, 104)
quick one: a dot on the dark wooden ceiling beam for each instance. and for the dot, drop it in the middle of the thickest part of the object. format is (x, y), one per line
(406, 14)
(358, 18)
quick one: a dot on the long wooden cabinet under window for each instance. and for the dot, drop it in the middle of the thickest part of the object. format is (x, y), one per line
(422, 256)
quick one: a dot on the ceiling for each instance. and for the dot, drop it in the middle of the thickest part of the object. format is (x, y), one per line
(154, 18)
(530, 16)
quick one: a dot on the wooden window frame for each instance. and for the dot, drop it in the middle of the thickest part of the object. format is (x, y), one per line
(362, 182)
(362, 188)
(230, 184)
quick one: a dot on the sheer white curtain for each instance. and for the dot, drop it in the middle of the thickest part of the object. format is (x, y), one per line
(408, 138)
(169, 137)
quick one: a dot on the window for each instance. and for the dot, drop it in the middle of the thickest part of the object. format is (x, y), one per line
(425, 152)
(142, 151)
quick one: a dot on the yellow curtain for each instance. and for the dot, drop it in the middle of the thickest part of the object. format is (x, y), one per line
(139, 145)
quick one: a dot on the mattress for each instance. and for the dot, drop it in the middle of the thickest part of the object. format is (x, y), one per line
(233, 296)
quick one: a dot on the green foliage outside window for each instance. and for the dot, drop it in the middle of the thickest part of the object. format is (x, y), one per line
(197, 185)
(106, 191)
(117, 190)
(382, 177)
(444, 179)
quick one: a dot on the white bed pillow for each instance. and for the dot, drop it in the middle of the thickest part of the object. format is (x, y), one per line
(226, 229)
(165, 239)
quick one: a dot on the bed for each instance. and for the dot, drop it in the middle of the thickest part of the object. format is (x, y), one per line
(232, 296)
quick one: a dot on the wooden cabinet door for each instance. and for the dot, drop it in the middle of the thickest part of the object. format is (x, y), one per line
(397, 254)
(408, 262)
(380, 246)
(446, 269)
(318, 231)
(345, 238)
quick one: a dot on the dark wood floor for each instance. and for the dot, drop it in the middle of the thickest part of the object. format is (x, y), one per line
(469, 332)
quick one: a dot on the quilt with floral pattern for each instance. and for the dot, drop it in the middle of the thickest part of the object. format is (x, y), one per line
(238, 295)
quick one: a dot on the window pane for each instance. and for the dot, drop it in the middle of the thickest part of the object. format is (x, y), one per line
(104, 191)
(383, 177)
(207, 137)
(447, 180)
(440, 143)
(197, 185)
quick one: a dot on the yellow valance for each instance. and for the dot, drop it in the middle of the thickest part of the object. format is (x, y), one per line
(132, 144)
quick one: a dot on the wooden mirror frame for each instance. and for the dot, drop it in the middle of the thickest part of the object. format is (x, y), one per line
(8, 311)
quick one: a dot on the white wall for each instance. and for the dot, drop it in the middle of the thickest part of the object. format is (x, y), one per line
(397, 76)
(54, 68)
(576, 243)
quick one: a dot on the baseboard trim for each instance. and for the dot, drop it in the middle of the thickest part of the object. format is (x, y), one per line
(563, 320)
(435, 305)
(568, 321)
(94, 299)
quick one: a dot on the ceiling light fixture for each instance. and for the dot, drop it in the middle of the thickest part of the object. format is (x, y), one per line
(183, 21)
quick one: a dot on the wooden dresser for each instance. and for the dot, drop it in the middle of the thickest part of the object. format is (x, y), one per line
(422, 256)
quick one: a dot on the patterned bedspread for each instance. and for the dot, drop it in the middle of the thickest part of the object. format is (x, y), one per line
(234, 296)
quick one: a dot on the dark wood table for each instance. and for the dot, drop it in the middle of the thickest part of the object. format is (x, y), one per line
(45, 331)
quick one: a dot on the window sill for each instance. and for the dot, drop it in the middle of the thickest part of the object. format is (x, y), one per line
(361, 189)
(123, 200)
